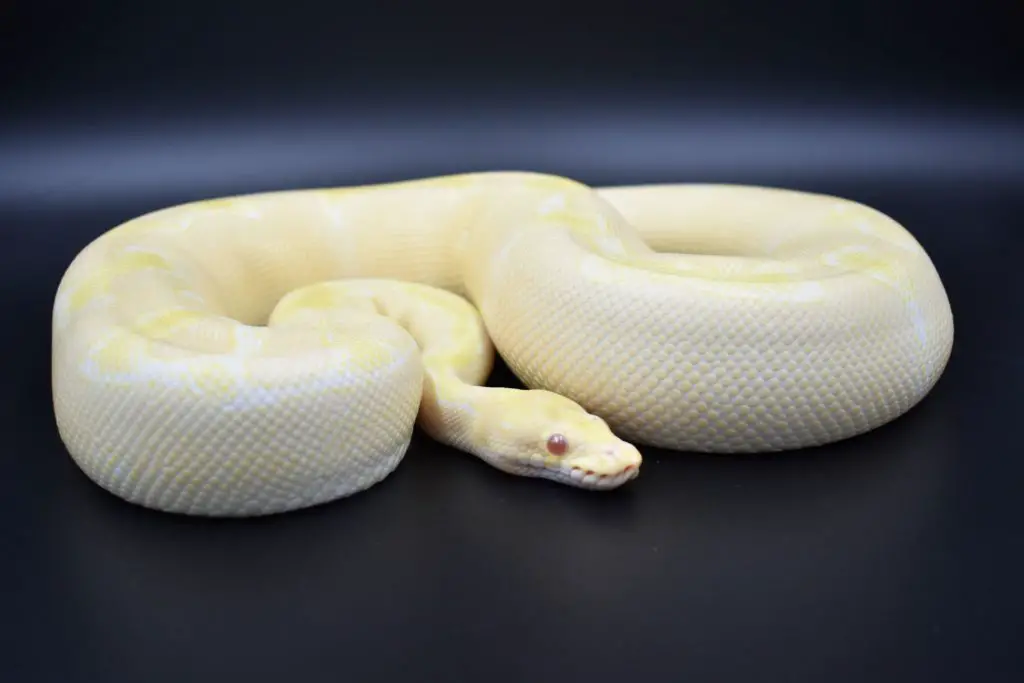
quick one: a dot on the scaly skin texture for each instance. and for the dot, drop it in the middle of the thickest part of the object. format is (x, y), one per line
(263, 353)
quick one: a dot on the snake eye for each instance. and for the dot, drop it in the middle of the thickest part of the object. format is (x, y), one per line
(557, 444)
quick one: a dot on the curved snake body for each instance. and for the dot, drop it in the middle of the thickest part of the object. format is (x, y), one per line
(267, 352)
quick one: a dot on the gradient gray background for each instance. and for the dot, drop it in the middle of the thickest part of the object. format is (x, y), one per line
(892, 556)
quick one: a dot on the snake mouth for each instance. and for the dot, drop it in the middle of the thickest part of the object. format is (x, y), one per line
(583, 478)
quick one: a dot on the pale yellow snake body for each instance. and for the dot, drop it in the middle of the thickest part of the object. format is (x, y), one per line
(269, 352)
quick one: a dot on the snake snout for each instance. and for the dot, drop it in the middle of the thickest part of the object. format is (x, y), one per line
(615, 460)
(626, 454)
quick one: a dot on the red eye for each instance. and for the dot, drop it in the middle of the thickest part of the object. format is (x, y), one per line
(557, 444)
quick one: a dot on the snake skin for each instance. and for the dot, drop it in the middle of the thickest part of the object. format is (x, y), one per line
(262, 353)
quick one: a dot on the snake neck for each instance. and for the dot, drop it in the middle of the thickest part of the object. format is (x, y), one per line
(452, 410)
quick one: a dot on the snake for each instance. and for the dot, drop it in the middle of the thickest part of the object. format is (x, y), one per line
(259, 353)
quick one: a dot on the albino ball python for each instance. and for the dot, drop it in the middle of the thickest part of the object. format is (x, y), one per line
(263, 353)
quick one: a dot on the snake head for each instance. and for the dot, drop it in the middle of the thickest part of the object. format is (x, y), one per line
(539, 433)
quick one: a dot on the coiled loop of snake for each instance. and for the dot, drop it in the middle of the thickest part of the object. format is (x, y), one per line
(267, 352)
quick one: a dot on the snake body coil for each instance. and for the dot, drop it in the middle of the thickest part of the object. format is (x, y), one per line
(268, 352)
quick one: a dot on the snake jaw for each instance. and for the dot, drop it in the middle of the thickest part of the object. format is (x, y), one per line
(588, 479)
(581, 477)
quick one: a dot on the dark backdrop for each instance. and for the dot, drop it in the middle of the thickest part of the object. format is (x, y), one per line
(893, 556)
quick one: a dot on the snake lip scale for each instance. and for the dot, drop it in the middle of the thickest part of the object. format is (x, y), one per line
(580, 477)
(255, 354)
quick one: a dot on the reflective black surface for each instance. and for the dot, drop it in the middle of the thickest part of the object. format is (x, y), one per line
(895, 556)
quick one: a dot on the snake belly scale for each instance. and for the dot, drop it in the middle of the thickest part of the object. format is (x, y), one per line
(267, 352)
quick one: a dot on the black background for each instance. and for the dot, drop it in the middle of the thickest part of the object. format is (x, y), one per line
(896, 556)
